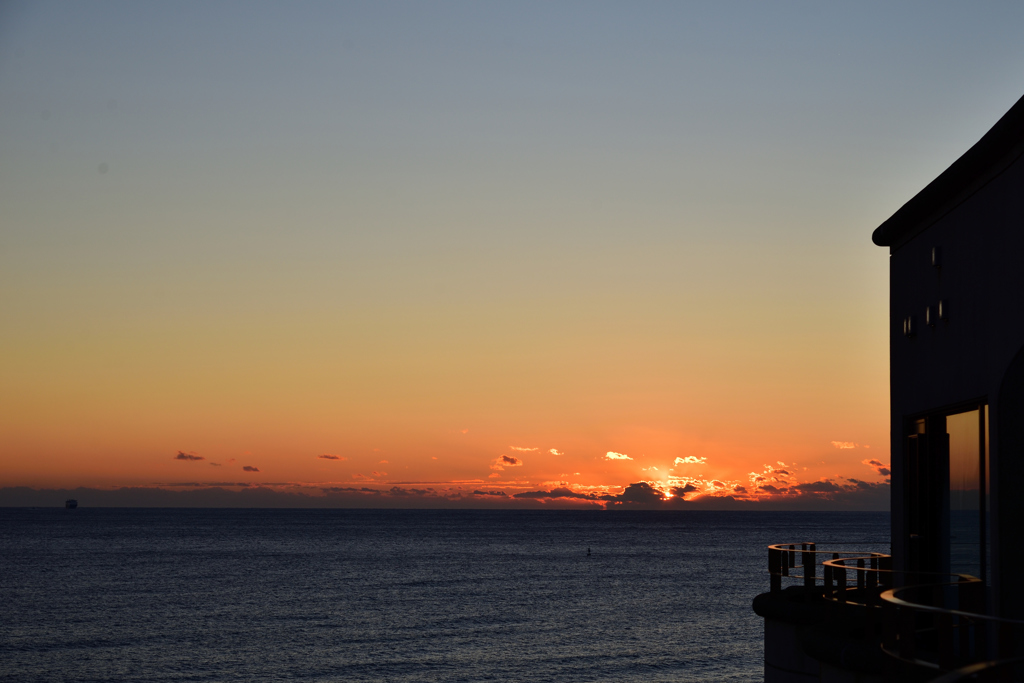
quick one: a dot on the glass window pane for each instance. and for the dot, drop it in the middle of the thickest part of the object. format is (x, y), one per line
(964, 493)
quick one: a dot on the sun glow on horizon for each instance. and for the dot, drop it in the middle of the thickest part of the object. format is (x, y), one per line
(489, 259)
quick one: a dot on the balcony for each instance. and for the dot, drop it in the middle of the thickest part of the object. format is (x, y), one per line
(848, 616)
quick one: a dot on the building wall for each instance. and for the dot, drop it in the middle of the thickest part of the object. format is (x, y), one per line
(981, 279)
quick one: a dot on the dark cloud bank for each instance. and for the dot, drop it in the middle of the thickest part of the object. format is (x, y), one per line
(845, 495)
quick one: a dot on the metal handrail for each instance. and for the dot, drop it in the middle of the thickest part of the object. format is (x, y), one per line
(782, 558)
(876, 576)
(952, 636)
(961, 636)
(890, 597)
(968, 672)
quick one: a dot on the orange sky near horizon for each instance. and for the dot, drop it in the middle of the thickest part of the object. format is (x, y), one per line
(428, 242)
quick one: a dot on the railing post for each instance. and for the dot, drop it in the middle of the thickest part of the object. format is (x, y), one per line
(840, 582)
(885, 572)
(810, 566)
(860, 575)
(786, 561)
(774, 569)
(890, 617)
(908, 633)
(944, 631)
(1004, 640)
(966, 603)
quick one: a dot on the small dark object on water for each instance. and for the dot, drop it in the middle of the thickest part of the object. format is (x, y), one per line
(70, 504)
(588, 552)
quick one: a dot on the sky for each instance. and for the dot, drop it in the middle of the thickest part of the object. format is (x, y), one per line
(467, 254)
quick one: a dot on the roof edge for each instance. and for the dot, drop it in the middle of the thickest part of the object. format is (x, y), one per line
(991, 155)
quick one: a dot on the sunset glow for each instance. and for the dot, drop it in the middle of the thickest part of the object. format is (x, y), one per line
(442, 257)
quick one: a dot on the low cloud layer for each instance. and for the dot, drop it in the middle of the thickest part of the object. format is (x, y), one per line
(612, 455)
(328, 456)
(691, 460)
(773, 489)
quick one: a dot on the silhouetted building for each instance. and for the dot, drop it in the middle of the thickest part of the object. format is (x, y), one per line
(956, 307)
(956, 339)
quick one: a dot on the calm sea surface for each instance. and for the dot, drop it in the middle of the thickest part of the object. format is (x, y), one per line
(358, 595)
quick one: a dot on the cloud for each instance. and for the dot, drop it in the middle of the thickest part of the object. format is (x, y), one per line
(782, 472)
(465, 431)
(681, 491)
(844, 444)
(250, 468)
(690, 460)
(522, 448)
(878, 466)
(555, 451)
(215, 464)
(398, 491)
(838, 493)
(328, 456)
(818, 487)
(383, 462)
(188, 456)
(493, 475)
(560, 492)
(379, 474)
(499, 464)
(642, 496)
(612, 455)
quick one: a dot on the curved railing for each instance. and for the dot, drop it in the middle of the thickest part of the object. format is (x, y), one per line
(934, 621)
(943, 626)
(981, 671)
(782, 562)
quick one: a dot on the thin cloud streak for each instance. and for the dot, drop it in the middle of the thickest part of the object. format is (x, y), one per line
(188, 456)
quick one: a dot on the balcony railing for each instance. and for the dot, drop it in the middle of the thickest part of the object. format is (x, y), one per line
(926, 621)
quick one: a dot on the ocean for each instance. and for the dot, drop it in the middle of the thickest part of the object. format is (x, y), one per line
(370, 595)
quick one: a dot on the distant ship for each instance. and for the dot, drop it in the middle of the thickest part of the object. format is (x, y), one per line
(70, 504)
